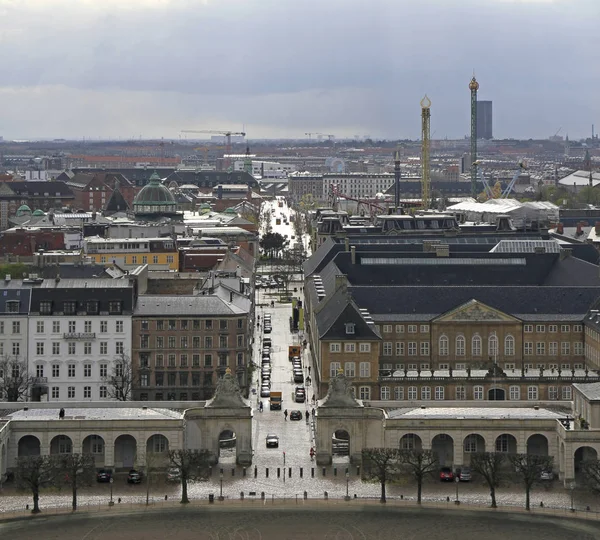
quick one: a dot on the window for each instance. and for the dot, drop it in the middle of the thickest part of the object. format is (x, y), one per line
(399, 329)
(399, 348)
(424, 348)
(412, 367)
(87, 392)
(540, 348)
(565, 348)
(87, 370)
(160, 360)
(103, 392)
(509, 365)
(443, 346)
(208, 324)
(532, 393)
(240, 359)
(334, 368)
(364, 392)
(461, 393)
(412, 348)
(471, 444)
(223, 324)
(70, 308)
(553, 328)
(439, 393)
(45, 308)
(424, 366)
(87, 347)
(103, 347)
(114, 307)
(16, 327)
(71, 370)
(387, 348)
(528, 328)
(412, 393)
(72, 326)
(364, 347)
(443, 366)
(577, 328)
(40, 327)
(16, 348)
(56, 327)
(55, 392)
(208, 342)
(553, 348)
(183, 342)
(425, 393)
(412, 328)
(222, 342)
(183, 360)
(502, 443)
(514, 393)
(154, 259)
(103, 370)
(408, 442)
(119, 327)
(578, 366)
(350, 369)
(424, 328)
(119, 348)
(240, 340)
(55, 370)
(509, 346)
(171, 360)
(71, 347)
(578, 348)
(103, 327)
(39, 348)
(39, 370)
(385, 393)
(476, 346)
(398, 393)
(565, 328)
(71, 392)
(195, 360)
(460, 346)
(567, 393)
(350, 347)
(478, 392)
(540, 328)
(64, 445)
(553, 392)
(365, 369)
(208, 360)
(387, 328)
(350, 328)
(493, 346)
(528, 348)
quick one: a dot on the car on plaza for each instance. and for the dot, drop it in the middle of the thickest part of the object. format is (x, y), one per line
(267, 344)
(103, 475)
(173, 474)
(273, 284)
(272, 441)
(296, 366)
(298, 377)
(300, 394)
(296, 415)
(267, 329)
(446, 474)
(265, 391)
(464, 474)
(547, 475)
(134, 477)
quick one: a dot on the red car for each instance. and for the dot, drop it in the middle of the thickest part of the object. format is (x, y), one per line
(446, 474)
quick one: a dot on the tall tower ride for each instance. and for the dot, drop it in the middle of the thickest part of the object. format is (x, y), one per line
(473, 86)
(397, 181)
(425, 142)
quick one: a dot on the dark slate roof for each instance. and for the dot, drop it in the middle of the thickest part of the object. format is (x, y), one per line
(192, 306)
(38, 189)
(339, 310)
(116, 203)
(14, 291)
(534, 301)
(72, 271)
(573, 271)
(324, 253)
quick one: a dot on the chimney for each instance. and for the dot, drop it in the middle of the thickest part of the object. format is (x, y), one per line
(353, 254)
(597, 227)
(560, 229)
(347, 243)
(579, 229)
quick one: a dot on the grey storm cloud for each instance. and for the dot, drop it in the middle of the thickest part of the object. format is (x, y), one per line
(286, 66)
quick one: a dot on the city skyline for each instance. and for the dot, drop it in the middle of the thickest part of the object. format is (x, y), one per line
(155, 67)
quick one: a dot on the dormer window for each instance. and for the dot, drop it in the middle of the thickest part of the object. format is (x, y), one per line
(45, 307)
(350, 328)
(92, 307)
(70, 308)
(12, 306)
(114, 307)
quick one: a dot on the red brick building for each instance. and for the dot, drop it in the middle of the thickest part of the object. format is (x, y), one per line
(93, 191)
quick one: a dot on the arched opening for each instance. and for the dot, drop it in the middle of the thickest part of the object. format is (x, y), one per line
(442, 446)
(125, 451)
(583, 454)
(340, 443)
(61, 444)
(28, 446)
(94, 444)
(496, 394)
(227, 445)
(506, 443)
(411, 441)
(157, 451)
(537, 445)
(473, 443)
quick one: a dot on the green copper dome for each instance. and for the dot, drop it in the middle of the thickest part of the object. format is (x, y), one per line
(154, 198)
(38, 212)
(23, 209)
(230, 211)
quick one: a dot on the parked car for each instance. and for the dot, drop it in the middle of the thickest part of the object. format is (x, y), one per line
(446, 474)
(173, 475)
(547, 475)
(103, 475)
(265, 391)
(464, 475)
(300, 395)
(298, 377)
(272, 441)
(296, 415)
(134, 477)
(267, 329)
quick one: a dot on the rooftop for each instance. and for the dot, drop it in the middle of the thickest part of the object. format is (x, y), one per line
(186, 305)
(99, 413)
(591, 391)
(475, 413)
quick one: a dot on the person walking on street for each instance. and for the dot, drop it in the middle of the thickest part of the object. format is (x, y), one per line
(314, 412)
(312, 453)
(285, 414)
(309, 370)
(307, 416)
(260, 406)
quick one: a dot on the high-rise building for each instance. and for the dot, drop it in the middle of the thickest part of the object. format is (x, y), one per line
(484, 120)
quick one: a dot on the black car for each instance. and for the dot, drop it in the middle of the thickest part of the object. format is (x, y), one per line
(103, 475)
(296, 415)
(134, 477)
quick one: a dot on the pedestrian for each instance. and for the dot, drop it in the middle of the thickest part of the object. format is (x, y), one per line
(313, 398)
(260, 406)
(314, 412)
(312, 453)
(307, 416)
(285, 414)
(309, 370)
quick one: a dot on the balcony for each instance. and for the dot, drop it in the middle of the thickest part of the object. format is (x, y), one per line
(79, 335)
(38, 381)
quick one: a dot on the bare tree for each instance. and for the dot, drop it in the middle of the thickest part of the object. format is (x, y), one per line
(530, 467)
(382, 465)
(489, 466)
(591, 473)
(79, 471)
(191, 464)
(35, 473)
(154, 462)
(420, 463)
(119, 382)
(15, 382)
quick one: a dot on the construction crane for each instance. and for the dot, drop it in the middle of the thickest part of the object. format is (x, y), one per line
(330, 136)
(224, 132)
(310, 134)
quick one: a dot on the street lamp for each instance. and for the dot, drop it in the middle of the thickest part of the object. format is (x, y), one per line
(347, 497)
(572, 486)
(457, 480)
(111, 502)
(221, 493)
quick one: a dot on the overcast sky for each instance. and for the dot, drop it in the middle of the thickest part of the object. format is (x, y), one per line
(123, 68)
